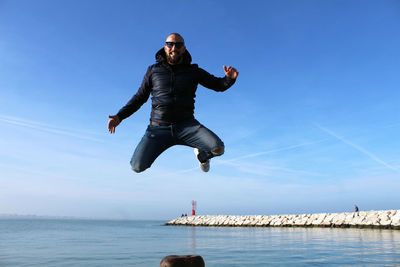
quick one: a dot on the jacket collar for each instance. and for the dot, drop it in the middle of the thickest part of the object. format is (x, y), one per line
(162, 58)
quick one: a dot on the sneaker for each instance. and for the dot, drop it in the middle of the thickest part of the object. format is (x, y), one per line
(205, 166)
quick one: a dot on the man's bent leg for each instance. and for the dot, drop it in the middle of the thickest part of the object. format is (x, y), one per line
(218, 151)
(196, 135)
(205, 155)
(155, 141)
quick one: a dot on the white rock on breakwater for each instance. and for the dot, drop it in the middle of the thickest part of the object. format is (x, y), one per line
(369, 219)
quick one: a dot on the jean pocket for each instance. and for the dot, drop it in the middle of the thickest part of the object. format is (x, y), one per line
(150, 134)
(157, 131)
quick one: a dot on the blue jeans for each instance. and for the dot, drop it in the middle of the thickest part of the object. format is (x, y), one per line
(159, 138)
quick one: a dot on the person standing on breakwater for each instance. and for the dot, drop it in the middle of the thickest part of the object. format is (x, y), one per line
(172, 82)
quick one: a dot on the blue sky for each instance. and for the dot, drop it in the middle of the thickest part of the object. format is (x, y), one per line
(311, 125)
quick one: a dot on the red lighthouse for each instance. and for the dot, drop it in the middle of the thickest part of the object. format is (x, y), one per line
(194, 204)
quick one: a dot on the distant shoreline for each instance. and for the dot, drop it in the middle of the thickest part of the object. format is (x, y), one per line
(19, 216)
(54, 217)
(383, 219)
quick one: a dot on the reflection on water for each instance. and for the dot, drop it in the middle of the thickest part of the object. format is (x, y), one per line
(193, 237)
(297, 245)
(145, 243)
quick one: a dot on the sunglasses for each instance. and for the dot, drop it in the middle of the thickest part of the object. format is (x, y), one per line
(177, 44)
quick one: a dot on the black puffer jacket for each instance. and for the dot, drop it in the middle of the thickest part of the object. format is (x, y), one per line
(173, 89)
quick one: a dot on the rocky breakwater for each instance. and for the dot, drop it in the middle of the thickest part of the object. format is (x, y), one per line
(388, 219)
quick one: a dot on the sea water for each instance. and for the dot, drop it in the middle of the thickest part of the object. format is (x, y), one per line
(73, 242)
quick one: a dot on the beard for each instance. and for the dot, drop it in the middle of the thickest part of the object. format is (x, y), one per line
(174, 60)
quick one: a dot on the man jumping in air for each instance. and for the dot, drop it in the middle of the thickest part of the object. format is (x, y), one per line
(172, 82)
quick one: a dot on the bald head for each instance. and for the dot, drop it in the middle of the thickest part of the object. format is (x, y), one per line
(175, 37)
(174, 48)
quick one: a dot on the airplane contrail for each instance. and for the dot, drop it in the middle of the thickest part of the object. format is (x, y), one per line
(232, 160)
(45, 128)
(275, 150)
(359, 148)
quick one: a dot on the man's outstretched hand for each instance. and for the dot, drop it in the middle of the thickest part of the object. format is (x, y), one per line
(112, 123)
(231, 72)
